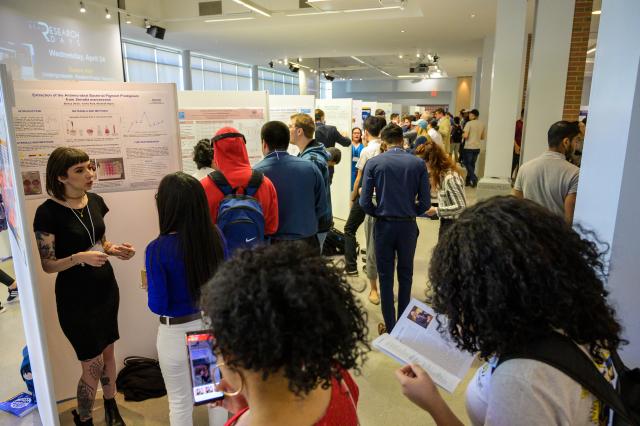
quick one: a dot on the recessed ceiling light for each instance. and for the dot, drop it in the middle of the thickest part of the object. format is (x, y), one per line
(279, 61)
(401, 31)
(299, 59)
(473, 15)
(596, 12)
(417, 55)
(247, 18)
(82, 8)
(360, 79)
(107, 15)
(371, 9)
(400, 56)
(590, 51)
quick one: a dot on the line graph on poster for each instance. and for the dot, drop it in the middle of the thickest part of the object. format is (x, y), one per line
(146, 123)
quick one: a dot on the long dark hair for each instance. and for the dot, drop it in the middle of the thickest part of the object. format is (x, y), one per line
(511, 272)
(182, 208)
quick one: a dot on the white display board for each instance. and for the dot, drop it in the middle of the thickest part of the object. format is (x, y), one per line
(356, 115)
(387, 107)
(368, 109)
(22, 249)
(201, 114)
(132, 217)
(338, 113)
(282, 107)
(396, 109)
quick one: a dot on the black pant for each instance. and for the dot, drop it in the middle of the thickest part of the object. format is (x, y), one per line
(355, 219)
(515, 162)
(6, 278)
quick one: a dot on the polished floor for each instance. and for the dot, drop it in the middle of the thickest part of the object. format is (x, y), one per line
(381, 402)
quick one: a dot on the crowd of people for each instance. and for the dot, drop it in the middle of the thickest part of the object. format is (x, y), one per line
(240, 250)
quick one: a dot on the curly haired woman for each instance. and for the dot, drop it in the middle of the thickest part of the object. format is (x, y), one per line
(511, 272)
(287, 329)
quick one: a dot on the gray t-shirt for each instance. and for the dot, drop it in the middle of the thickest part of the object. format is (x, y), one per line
(526, 392)
(548, 180)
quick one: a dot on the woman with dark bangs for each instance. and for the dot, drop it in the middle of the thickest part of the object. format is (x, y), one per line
(510, 273)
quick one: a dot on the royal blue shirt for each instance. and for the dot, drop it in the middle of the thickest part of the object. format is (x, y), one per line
(397, 178)
(302, 198)
(168, 289)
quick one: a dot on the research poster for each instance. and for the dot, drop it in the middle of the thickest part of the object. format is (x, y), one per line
(203, 123)
(128, 130)
(282, 107)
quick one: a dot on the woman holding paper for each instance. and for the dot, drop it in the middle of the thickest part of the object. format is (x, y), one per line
(70, 232)
(511, 277)
(285, 357)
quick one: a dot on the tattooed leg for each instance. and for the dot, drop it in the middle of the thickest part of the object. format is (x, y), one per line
(108, 379)
(91, 372)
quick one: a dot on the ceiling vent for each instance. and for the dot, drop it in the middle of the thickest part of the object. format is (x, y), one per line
(208, 8)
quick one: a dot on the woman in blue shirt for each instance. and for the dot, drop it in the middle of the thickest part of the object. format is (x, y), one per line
(185, 255)
(356, 149)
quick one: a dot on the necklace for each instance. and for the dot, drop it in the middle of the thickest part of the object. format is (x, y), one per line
(93, 229)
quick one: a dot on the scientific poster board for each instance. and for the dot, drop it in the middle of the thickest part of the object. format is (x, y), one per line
(202, 114)
(338, 113)
(127, 133)
(21, 247)
(282, 107)
(356, 107)
(132, 213)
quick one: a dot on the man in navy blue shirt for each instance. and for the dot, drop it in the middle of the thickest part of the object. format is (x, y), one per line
(302, 197)
(398, 179)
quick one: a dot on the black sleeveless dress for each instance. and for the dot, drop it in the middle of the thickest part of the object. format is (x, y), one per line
(87, 298)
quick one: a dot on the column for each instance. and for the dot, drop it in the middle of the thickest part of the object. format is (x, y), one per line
(506, 76)
(482, 102)
(476, 84)
(303, 81)
(577, 58)
(608, 201)
(186, 70)
(547, 73)
(254, 78)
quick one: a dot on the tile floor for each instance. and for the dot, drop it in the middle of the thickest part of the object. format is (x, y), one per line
(381, 402)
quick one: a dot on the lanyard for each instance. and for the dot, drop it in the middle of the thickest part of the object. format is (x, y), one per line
(93, 229)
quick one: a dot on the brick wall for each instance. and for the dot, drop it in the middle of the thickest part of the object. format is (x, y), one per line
(577, 58)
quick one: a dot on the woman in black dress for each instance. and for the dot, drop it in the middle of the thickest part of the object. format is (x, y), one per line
(70, 231)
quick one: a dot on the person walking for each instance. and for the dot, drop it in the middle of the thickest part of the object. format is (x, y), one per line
(70, 232)
(302, 196)
(398, 179)
(474, 134)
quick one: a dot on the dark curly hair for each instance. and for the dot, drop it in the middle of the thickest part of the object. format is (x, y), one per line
(203, 153)
(508, 271)
(286, 308)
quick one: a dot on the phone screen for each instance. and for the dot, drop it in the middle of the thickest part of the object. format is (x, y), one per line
(202, 363)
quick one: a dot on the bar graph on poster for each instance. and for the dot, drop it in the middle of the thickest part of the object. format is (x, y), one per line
(203, 123)
(127, 131)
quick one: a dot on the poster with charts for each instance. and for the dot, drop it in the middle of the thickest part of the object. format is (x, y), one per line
(129, 131)
(201, 123)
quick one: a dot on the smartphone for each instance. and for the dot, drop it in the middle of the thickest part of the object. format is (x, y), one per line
(202, 364)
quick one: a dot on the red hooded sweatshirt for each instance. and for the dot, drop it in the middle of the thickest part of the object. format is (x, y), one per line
(231, 158)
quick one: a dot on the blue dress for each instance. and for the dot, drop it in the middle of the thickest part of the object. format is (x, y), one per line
(355, 156)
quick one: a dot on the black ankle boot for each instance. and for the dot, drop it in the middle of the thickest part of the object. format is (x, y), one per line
(78, 422)
(111, 414)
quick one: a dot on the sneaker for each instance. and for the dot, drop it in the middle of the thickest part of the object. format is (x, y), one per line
(2, 309)
(351, 273)
(13, 295)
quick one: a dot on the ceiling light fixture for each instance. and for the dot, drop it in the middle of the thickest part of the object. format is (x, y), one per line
(590, 51)
(254, 7)
(293, 68)
(357, 59)
(473, 15)
(299, 59)
(128, 20)
(403, 4)
(401, 31)
(286, 61)
(147, 24)
(371, 9)
(400, 56)
(82, 8)
(107, 14)
(417, 55)
(327, 12)
(596, 12)
(247, 18)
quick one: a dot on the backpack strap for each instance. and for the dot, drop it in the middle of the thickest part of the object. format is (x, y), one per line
(254, 183)
(221, 182)
(563, 354)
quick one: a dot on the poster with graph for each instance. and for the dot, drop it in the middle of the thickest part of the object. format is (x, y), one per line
(202, 114)
(128, 130)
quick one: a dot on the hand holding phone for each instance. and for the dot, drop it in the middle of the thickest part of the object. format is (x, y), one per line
(202, 363)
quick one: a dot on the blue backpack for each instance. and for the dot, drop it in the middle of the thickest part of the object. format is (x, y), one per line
(240, 216)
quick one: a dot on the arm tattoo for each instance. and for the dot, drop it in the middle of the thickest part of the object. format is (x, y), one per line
(46, 245)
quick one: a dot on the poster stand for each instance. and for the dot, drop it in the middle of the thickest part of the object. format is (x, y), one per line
(282, 107)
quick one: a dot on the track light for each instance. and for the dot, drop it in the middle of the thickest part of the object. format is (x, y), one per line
(400, 56)
(328, 77)
(294, 68)
(147, 24)
(82, 8)
(270, 64)
(128, 20)
(107, 14)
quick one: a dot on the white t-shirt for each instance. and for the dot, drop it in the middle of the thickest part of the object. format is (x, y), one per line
(435, 136)
(529, 392)
(369, 151)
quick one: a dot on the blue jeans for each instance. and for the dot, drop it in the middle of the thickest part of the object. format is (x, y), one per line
(469, 158)
(395, 240)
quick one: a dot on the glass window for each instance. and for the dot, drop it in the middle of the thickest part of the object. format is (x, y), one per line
(197, 76)
(229, 79)
(143, 53)
(141, 71)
